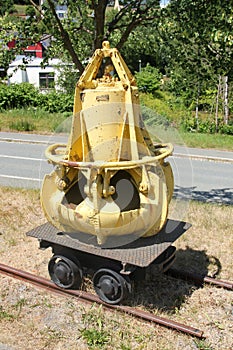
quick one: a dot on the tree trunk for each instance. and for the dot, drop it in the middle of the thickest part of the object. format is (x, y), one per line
(217, 103)
(197, 105)
(99, 13)
(225, 100)
(66, 39)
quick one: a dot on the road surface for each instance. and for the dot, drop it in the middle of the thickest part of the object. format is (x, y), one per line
(205, 175)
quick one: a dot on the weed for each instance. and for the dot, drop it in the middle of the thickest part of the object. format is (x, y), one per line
(94, 332)
(219, 325)
(6, 315)
(202, 345)
(22, 125)
(12, 242)
(52, 334)
(93, 316)
(95, 338)
(125, 347)
(19, 305)
(45, 303)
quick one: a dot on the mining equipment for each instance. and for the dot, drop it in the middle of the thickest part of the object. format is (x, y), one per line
(107, 198)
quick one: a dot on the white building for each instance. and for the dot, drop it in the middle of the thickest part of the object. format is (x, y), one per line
(61, 10)
(33, 73)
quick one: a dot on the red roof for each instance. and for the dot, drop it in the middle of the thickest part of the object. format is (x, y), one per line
(36, 49)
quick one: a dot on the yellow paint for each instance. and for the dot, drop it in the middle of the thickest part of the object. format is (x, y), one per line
(109, 179)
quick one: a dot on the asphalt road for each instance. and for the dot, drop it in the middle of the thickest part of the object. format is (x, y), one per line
(205, 175)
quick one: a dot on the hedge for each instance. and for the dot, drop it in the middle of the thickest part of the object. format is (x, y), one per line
(26, 95)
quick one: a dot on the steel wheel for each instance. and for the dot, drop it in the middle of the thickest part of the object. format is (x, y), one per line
(110, 286)
(64, 272)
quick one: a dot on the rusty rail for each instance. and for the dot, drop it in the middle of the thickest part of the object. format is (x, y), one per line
(87, 297)
(199, 279)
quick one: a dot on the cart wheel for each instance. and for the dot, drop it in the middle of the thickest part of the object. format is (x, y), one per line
(65, 273)
(110, 286)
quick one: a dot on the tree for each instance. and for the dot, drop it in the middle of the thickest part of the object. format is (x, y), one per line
(201, 31)
(6, 6)
(144, 46)
(7, 33)
(89, 23)
(199, 37)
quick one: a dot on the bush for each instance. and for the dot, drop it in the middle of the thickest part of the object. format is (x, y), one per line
(17, 95)
(149, 79)
(54, 102)
(225, 129)
(26, 95)
(189, 124)
(206, 126)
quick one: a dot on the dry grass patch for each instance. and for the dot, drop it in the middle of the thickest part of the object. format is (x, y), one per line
(208, 246)
(33, 319)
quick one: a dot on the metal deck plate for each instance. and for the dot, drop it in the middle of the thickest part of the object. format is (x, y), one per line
(141, 252)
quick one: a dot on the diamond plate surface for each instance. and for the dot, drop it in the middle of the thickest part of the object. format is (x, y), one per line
(141, 252)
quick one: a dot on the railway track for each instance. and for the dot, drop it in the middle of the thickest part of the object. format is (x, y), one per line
(44, 283)
(199, 279)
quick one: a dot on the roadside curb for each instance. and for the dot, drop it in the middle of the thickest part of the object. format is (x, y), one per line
(201, 157)
(6, 139)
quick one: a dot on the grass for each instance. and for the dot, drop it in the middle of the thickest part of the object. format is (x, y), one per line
(216, 141)
(20, 9)
(33, 319)
(31, 119)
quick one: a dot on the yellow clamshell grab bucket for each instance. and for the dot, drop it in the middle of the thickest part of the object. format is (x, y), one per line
(109, 180)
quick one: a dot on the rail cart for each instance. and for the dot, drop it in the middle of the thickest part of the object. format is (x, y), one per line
(112, 270)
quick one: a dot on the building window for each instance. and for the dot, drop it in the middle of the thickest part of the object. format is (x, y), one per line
(61, 15)
(30, 53)
(46, 80)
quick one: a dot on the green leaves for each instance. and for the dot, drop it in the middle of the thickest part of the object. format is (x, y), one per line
(6, 6)
(148, 79)
(202, 33)
(199, 40)
(26, 95)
